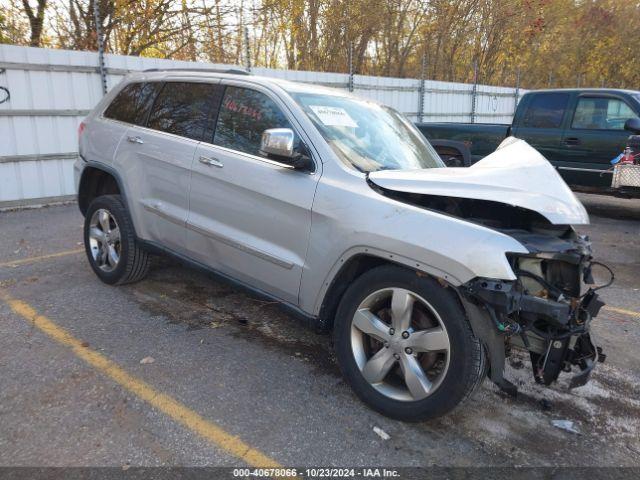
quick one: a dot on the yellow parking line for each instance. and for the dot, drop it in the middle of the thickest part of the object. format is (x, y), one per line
(24, 261)
(623, 311)
(161, 401)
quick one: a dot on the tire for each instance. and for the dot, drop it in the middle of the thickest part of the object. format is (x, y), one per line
(454, 363)
(129, 263)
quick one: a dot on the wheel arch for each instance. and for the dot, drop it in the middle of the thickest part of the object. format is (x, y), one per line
(97, 179)
(356, 262)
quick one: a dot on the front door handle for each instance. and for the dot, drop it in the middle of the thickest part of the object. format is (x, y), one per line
(133, 139)
(572, 141)
(214, 162)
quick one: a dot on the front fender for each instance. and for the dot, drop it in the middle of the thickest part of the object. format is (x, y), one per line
(350, 218)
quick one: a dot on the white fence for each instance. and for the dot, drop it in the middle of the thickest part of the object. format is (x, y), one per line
(52, 90)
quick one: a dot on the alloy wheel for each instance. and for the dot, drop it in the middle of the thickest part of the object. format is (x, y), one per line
(400, 344)
(104, 240)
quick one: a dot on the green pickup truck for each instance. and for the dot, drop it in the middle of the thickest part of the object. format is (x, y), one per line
(578, 130)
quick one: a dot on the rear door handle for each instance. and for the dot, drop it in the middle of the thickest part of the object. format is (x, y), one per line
(133, 139)
(214, 162)
(572, 141)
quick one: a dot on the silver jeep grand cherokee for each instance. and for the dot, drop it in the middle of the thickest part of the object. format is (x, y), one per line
(338, 208)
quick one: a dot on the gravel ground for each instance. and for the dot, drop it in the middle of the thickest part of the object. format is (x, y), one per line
(258, 373)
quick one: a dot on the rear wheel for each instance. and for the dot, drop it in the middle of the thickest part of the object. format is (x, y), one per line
(405, 346)
(112, 249)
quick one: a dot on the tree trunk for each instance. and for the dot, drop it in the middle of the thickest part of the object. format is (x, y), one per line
(36, 21)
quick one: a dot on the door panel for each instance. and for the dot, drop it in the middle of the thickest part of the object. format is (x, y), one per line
(156, 168)
(545, 140)
(594, 137)
(250, 217)
(157, 160)
(541, 124)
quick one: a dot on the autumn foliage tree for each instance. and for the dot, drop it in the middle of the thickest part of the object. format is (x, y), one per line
(550, 42)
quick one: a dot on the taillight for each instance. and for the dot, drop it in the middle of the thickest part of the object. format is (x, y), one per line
(80, 129)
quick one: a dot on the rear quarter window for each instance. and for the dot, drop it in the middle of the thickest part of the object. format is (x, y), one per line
(133, 102)
(183, 108)
(546, 110)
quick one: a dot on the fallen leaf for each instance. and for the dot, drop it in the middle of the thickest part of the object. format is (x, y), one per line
(566, 425)
(381, 433)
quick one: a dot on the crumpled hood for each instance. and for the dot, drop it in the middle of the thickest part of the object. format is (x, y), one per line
(515, 174)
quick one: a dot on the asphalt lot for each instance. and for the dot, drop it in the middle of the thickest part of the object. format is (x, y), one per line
(236, 381)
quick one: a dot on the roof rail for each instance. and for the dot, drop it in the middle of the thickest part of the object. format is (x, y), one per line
(234, 71)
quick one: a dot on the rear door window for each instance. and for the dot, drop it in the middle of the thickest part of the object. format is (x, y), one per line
(184, 108)
(133, 102)
(601, 113)
(244, 115)
(546, 110)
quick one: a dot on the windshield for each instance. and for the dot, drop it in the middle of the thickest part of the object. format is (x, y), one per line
(366, 135)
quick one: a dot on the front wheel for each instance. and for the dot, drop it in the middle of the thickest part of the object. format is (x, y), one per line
(110, 242)
(405, 346)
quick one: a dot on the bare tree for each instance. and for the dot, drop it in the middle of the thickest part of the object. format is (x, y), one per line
(36, 20)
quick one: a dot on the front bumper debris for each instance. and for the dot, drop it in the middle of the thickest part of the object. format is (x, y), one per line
(586, 355)
(555, 332)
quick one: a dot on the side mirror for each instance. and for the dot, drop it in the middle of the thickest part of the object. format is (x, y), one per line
(633, 125)
(278, 144)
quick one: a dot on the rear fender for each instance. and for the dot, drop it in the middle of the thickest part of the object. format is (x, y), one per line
(111, 171)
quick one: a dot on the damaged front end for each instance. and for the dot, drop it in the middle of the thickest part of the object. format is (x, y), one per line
(546, 306)
(545, 310)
